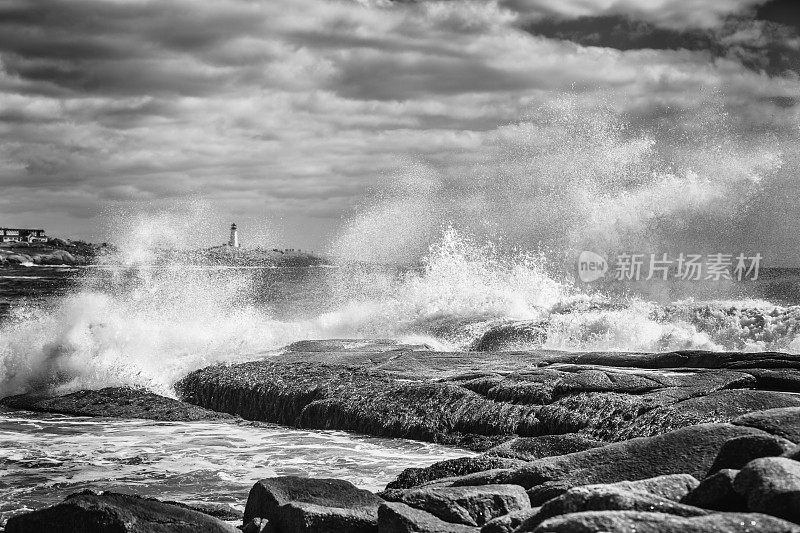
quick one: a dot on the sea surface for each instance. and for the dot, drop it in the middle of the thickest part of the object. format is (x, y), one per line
(142, 323)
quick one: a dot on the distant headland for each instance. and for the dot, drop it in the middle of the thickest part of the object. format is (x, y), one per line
(26, 247)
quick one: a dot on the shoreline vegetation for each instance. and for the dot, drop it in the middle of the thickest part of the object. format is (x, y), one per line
(58, 252)
(568, 442)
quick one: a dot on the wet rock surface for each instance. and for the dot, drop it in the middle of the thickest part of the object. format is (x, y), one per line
(312, 505)
(113, 402)
(771, 485)
(480, 400)
(89, 512)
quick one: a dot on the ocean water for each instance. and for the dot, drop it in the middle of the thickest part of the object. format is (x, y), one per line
(44, 457)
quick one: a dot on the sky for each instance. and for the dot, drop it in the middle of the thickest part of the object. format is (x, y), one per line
(371, 124)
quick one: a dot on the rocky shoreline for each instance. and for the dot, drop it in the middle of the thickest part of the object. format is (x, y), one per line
(55, 252)
(678, 441)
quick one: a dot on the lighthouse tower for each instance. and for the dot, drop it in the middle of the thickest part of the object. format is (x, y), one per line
(233, 242)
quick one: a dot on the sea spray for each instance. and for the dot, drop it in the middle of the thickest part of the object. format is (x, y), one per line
(138, 320)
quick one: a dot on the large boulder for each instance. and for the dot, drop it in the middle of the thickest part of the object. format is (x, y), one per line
(739, 451)
(607, 498)
(471, 506)
(648, 522)
(716, 493)
(110, 512)
(396, 517)
(771, 485)
(313, 505)
(783, 422)
(689, 450)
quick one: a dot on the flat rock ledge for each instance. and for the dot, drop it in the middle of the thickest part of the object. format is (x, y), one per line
(113, 402)
(569, 442)
(479, 400)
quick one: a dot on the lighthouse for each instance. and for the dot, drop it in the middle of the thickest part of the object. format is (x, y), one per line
(233, 242)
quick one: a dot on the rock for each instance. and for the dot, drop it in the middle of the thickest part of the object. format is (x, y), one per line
(712, 406)
(110, 512)
(716, 493)
(519, 335)
(320, 396)
(546, 491)
(672, 486)
(645, 522)
(529, 448)
(508, 523)
(794, 453)
(737, 452)
(471, 506)
(607, 498)
(782, 379)
(113, 402)
(400, 518)
(771, 485)
(477, 400)
(412, 477)
(56, 257)
(312, 505)
(258, 525)
(19, 259)
(689, 450)
(783, 422)
(217, 510)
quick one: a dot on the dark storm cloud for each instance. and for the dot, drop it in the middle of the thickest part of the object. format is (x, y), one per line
(766, 38)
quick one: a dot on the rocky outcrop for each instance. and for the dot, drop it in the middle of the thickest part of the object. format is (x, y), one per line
(479, 400)
(114, 402)
(108, 512)
(313, 505)
(689, 450)
(54, 252)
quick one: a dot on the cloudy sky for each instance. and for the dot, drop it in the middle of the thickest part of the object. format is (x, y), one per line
(363, 122)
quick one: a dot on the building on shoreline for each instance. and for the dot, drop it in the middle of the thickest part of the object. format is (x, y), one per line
(22, 235)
